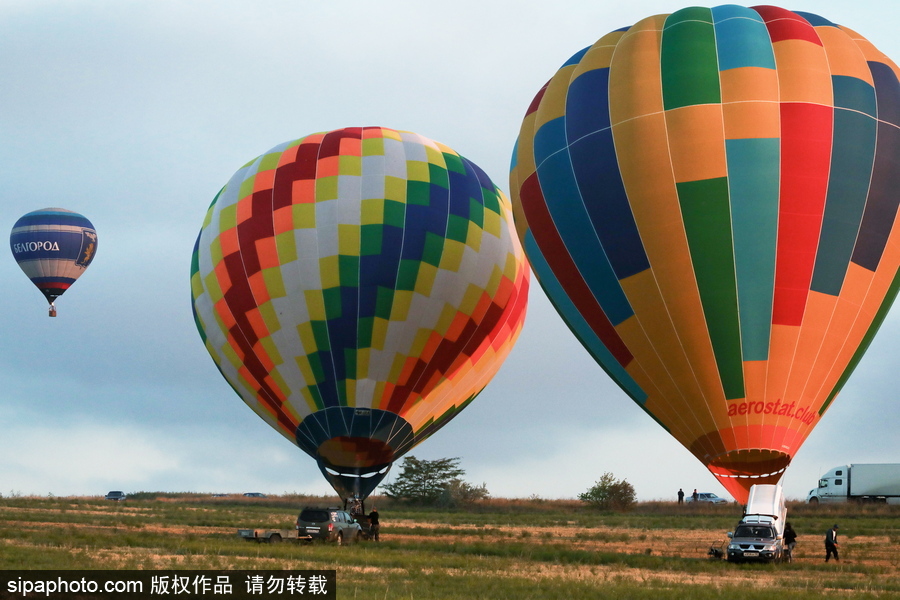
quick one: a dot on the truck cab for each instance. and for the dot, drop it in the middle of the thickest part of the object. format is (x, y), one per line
(832, 487)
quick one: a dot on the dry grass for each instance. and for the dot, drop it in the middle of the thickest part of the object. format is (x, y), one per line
(512, 544)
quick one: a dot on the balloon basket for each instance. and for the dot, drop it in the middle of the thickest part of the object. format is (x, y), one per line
(52, 311)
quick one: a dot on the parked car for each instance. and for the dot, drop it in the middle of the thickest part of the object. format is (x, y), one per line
(254, 494)
(116, 496)
(328, 524)
(707, 497)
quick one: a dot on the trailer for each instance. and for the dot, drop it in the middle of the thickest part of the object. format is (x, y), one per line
(273, 536)
(860, 483)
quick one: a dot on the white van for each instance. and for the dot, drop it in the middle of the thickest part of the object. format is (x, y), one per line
(759, 534)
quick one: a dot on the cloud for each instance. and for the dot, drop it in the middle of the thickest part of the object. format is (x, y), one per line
(136, 113)
(90, 456)
(86, 458)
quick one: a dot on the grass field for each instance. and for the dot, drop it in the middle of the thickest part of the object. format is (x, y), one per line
(498, 549)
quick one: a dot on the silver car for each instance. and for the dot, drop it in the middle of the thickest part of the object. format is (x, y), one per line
(708, 497)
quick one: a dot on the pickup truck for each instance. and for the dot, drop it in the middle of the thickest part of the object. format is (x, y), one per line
(326, 524)
(759, 536)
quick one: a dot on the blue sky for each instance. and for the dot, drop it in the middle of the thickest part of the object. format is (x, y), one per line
(136, 113)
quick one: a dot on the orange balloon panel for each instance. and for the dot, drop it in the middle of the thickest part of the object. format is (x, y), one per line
(709, 200)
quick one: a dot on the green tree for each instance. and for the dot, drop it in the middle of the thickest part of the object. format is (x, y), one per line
(610, 494)
(461, 493)
(423, 481)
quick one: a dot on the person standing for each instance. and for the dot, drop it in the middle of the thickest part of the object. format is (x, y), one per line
(374, 524)
(680, 496)
(356, 508)
(790, 540)
(831, 544)
(695, 496)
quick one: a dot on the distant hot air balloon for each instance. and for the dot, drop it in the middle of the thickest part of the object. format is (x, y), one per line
(357, 289)
(709, 199)
(53, 246)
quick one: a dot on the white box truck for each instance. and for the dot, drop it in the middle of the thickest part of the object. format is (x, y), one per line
(860, 483)
(759, 536)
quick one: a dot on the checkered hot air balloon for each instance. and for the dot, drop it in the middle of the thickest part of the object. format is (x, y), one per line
(709, 198)
(53, 246)
(357, 289)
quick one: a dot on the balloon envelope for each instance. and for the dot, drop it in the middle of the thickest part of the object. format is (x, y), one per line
(709, 198)
(53, 246)
(357, 289)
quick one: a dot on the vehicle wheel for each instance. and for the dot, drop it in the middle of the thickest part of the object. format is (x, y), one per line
(813, 501)
(359, 536)
(340, 538)
(274, 539)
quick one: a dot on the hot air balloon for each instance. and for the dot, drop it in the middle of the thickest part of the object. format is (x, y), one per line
(709, 199)
(357, 289)
(53, 246)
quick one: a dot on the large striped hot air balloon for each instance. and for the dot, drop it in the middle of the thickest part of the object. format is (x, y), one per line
(357, 289)
(709, 198)
(53, 246)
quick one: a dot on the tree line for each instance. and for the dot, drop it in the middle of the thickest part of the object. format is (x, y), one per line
(439, 483)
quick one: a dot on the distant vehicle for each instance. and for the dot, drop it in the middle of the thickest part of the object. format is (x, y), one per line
(326, 524)
(760, 532)
(707, 497)
(116, 496)
(254, 494)
(860, 483)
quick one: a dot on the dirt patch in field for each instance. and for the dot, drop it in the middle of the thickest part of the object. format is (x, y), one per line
(693, 544)
(678, 543)
(178, 530)
(74, 509)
